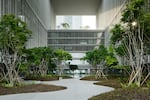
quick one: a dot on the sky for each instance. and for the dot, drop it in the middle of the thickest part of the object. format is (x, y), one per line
(90, 21)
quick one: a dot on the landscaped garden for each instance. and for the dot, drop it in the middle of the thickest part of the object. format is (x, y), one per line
(19, 65)
(121, 66)
(29, 89)
(122, 91)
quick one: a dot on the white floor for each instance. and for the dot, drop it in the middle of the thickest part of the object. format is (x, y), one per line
(76, 90)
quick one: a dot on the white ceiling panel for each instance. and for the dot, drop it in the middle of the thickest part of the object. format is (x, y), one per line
(75, 7)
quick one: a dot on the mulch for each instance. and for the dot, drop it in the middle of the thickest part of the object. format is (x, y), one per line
(30, 89)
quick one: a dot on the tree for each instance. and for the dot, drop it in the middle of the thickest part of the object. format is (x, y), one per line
(38, 58)
(97, 57)
(13, 36)
(130, 36)
(111, 59)
(61, 56)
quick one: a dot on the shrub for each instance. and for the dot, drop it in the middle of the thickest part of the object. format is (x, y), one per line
(42, 78)
(148, 84)
(133, 85)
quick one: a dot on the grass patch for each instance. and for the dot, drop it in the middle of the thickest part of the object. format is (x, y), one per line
(125, 94)
(29, 89)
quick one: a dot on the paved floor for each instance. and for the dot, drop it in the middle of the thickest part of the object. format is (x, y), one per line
(76, 90)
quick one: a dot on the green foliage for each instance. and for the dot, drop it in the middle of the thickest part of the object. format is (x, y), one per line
(95, 56)
(51, 65)
(35, 55)
(41, 78)
(133, 85)
(13, 33)
(13, 37)
(102, 52)
(62, 55)
(7, 85)
(111, 60)
(120, 50)
(146, 21)
(148, 84)
(117, 32)
(65, 76)
(133, 11)
(147, 31)
(90, 78)
(24, 69)
(120, 67)
(38, 59)
(89, 57)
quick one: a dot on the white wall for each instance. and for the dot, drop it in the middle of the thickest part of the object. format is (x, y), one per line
(43, 10)
(52, 16)
(109, 13)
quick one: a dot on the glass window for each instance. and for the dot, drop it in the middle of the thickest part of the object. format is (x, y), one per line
(76, 22)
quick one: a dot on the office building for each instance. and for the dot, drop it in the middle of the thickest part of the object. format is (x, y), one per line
(40, 16)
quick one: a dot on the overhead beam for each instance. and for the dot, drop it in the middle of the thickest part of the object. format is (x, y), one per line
(76, 7)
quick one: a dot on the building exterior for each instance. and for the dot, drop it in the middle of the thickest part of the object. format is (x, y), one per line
(77, 42)
(40, 16)
(32, 14)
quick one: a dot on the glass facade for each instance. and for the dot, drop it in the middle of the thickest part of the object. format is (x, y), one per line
(22, 9)
(75, 40)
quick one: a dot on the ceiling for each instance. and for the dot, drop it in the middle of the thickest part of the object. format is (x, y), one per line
(75, 7)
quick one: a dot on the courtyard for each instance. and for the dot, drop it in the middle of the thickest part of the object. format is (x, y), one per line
(76, 90)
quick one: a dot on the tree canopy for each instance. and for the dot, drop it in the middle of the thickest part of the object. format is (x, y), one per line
(38, 58)
(13, 33)
(96, 56)
(131, 39)
(13, 37)
(62, 55)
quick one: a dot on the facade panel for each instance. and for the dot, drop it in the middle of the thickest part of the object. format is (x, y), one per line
(75, 40)
(109, 13)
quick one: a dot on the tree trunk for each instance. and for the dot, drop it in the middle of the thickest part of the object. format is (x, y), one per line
(43, 68)
(60, 68)
(12, 67)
